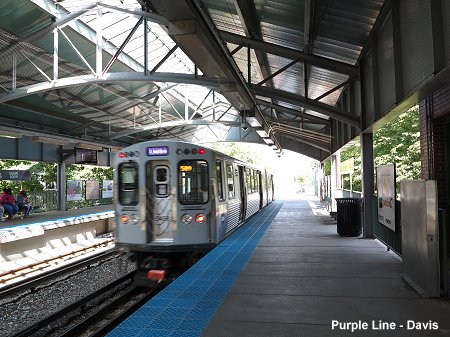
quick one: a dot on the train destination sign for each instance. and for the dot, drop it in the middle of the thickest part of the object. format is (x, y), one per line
(157, 151)
(185, 168)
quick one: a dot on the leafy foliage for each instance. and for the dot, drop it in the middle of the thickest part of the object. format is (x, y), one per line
(353, 152)
(398, 142)
(238, 151)
(327, 167)
(44, 175)
(40, 174)
(88, 172)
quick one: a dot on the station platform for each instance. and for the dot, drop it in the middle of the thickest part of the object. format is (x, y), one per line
(36, 223)
(286, 273)
(41, 236)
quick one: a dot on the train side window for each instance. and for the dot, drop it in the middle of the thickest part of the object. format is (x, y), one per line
(253, 181)
(128, 183)
(257, 179)
(193, 182)
(230, 180)
(219, 175)
(249, 180)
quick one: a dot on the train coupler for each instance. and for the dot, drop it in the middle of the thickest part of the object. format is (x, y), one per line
(156, 275)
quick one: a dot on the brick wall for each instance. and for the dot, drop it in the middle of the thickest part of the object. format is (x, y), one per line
(433, 110)
(441, 102)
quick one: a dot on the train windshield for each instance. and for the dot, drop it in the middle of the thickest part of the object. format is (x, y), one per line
(128, 183)
(193, 182)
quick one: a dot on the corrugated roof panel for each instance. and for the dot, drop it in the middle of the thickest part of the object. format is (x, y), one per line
(225, 15)
(345, 23)
(282, 22)
(240, 58)
(322, 81)
(339, 51)
(282, 36)
(291, 79)
(20, 17)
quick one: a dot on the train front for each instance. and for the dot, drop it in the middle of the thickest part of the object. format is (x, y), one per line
(163, 206)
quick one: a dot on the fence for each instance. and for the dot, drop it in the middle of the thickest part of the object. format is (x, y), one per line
(48, 201)
(393, 240)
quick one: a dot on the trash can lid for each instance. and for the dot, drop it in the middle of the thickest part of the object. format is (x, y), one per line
(349, 200)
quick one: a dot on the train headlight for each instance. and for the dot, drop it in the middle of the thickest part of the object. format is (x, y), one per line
(134, 219)
(200, 218)
(124, 218)
(186, 219)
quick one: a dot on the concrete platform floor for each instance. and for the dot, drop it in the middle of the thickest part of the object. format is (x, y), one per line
(303, 278)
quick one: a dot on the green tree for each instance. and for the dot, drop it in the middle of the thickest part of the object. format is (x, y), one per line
(89, 172)
(300, 180)
(353, 152)
(41, 173)
(44, 174)
(327, 167)
(397, 142)
(238, 151)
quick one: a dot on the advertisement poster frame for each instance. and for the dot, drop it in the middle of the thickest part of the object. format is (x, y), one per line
(74, 190)
(386, 195)
(92, 189)
(107, 189)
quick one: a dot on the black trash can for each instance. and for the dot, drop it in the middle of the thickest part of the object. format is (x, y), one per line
(349, 212)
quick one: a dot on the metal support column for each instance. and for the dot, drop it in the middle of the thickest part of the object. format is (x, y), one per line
(61, 174)
(335, 160)
(368, 182)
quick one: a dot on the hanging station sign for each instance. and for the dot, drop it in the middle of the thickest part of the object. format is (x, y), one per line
(15, 175)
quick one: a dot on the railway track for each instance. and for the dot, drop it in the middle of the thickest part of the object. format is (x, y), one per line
(31, 277)
(37, 299)
(43, 268)
(93, 315)
(103, 320)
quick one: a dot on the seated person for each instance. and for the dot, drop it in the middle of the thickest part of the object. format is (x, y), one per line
(23, 203)
(9, 203)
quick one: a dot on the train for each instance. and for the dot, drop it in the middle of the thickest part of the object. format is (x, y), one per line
(175, 201)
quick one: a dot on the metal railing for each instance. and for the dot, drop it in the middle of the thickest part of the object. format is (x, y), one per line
(393, 240)
(45, 200)
(48, 201)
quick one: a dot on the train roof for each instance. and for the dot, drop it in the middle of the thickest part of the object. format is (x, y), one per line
(169, 141)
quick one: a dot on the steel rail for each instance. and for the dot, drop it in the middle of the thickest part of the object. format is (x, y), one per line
(28, 331)
(33, 281)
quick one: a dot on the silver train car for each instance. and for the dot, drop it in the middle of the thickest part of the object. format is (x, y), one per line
(175, 201)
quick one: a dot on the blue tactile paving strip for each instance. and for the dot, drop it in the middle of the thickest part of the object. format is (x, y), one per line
(187, 305)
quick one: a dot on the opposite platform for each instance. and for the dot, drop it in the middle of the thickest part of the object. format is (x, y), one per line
(37, 223)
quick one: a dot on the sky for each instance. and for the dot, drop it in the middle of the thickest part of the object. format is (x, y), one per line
(284, 168)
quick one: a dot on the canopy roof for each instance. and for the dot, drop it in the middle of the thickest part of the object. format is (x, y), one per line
(124, 71)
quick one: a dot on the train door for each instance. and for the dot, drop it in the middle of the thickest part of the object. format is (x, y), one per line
(127, 209)
(159, 201)
(220, 205)
(243, 190)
